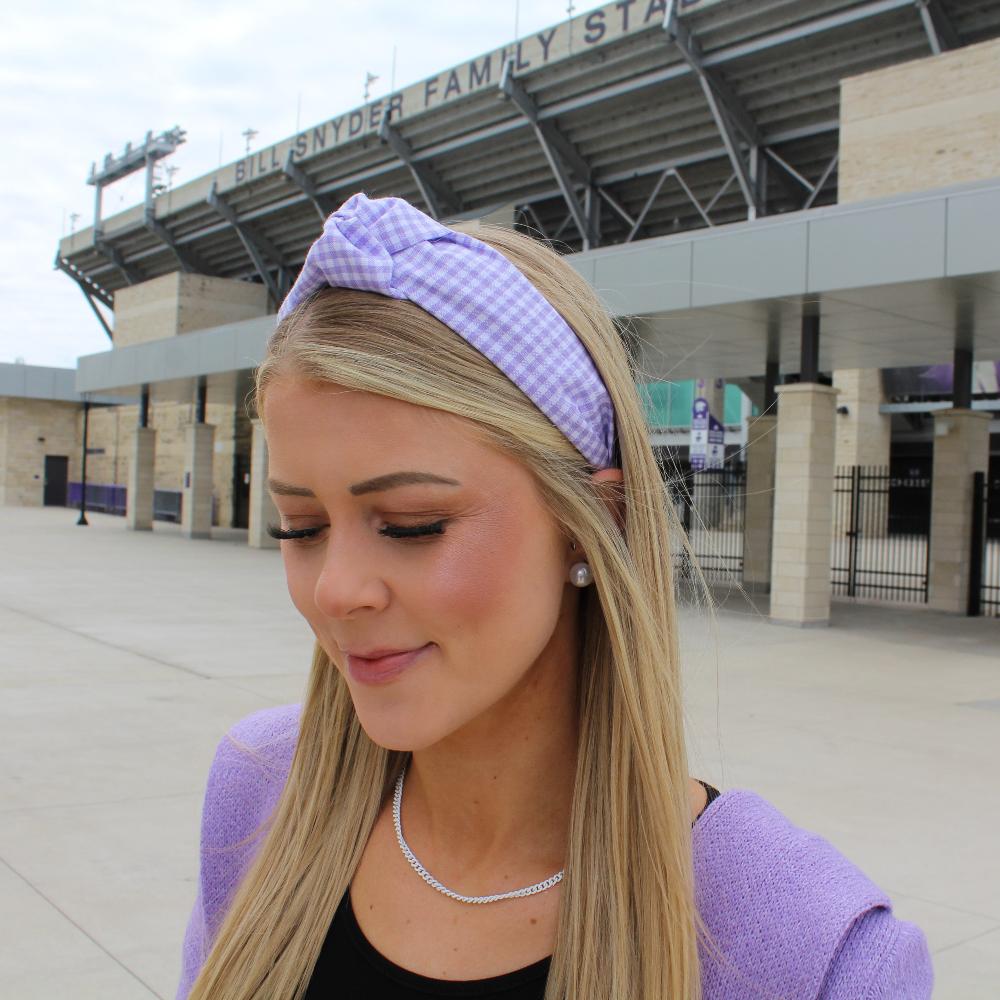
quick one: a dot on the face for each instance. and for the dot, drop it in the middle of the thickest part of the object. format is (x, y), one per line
(485, 588)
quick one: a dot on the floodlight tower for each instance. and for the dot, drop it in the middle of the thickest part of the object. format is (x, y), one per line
(114, 168)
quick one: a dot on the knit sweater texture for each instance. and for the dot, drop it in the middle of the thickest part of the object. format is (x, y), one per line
(793, 917)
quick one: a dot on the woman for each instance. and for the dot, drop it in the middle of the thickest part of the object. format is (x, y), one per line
(485, 791)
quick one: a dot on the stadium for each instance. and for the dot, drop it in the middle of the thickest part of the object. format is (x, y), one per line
(791, 207)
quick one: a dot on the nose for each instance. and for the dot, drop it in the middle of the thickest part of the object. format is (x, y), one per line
(349, 582)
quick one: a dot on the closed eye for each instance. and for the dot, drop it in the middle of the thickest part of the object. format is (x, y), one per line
(389, 531)
(412, 531)
(284, 534)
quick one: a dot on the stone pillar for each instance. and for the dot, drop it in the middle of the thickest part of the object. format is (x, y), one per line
(863, 433)
(803, 504)
(863, 438)
(262, 507)
(196, 506)
(141, 480)
(961, 447)
(758, 515)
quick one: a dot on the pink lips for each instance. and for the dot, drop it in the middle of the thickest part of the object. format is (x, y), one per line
(382, 669)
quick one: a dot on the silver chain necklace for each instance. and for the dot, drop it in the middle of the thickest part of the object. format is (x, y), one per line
(397, 800)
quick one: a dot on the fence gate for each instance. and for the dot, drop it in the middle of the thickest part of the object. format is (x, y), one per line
(711, 504)
(881, 529)
(984, 556)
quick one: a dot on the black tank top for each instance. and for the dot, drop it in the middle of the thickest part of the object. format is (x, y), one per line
(350, 968)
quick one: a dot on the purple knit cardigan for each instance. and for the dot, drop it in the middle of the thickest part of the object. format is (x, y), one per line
(794, 918)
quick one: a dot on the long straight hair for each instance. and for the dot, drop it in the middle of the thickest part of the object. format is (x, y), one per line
(628, 925)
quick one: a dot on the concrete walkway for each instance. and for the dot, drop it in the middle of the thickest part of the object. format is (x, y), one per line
(124, 657)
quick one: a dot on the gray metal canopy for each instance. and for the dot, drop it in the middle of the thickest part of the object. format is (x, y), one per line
(896, 282)
(635, 120)
(899, 281)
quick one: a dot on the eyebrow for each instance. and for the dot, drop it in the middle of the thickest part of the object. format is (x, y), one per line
(376, 485)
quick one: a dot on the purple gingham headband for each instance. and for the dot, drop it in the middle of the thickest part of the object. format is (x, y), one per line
(387, 246)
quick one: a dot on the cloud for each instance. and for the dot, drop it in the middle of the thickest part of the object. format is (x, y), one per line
(78, 81)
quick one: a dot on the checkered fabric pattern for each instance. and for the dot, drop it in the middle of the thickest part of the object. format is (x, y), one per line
(385, 245)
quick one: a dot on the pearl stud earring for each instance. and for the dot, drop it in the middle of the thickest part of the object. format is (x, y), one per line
(580, 574)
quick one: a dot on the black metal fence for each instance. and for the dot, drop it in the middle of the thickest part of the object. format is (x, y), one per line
(984, 561)
(711, 505)
(881, 534)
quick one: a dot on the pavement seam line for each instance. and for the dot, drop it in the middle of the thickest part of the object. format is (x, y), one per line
(104, 642)
(90, 937)
(11, 810)
(958, 944)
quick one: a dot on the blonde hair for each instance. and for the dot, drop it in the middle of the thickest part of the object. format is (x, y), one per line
(628, 925)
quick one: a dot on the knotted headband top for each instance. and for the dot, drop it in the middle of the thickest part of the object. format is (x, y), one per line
(385, 245)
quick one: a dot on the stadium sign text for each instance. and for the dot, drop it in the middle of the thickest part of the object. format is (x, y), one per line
(561, 41)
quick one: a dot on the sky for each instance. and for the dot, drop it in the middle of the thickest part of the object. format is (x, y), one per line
(78, 81)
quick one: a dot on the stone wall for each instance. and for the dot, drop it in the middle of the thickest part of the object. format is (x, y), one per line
(180, 303)
(30, 429)
(206, 302)
(170, 420)
(925, 124)
(109, 436)
(147, 311)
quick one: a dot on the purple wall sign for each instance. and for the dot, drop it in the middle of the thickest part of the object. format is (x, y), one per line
(707, 444)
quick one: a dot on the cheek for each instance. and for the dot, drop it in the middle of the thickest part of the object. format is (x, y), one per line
(497, 582)
(301, 575)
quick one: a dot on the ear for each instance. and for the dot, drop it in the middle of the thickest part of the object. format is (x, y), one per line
(609, 484)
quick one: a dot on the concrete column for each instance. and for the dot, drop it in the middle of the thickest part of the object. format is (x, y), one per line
(863, 433)
(758, 515)
(196, 507)
(262, 507)
(141, 480)
(803, 504)
(961, 447)
(863, 438)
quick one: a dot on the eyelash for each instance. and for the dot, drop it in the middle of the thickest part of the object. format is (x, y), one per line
(397, 531)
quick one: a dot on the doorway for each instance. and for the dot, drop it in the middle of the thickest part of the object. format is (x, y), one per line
(56, 480)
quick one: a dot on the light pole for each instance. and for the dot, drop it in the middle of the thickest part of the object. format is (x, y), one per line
(83, 470)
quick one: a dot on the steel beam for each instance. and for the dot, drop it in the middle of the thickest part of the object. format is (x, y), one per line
(185, 258)
(438, 196)
(567, 219)
(790, 170)
(669, 172)
(824, 177)
(91, 291)
(858, 14)
(252, 243)
(787, 175)
(592, 208)
(616, 206)
(961, 388)
(111, 253)
(938, 26)
(734, 123)
(809, 348)
(722, 190)
(694, 201)
(87, 283)
(98, 313)
(529, 209)
(360, 179)
(641, 217)
(559, 152)
(305, 184)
